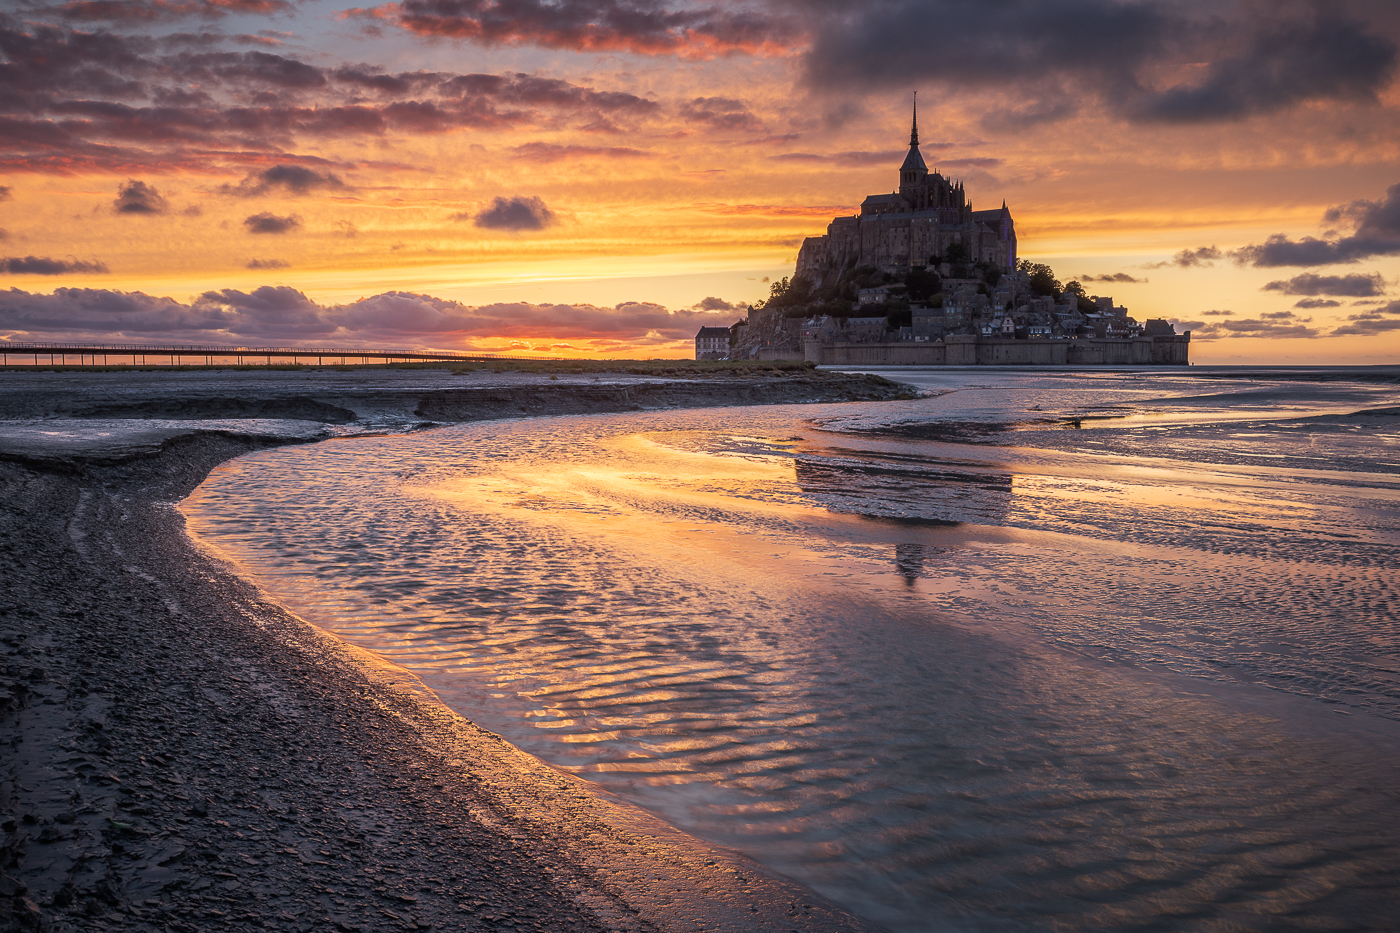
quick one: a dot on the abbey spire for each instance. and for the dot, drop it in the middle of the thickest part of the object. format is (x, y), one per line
(913, 174)
(913, 171)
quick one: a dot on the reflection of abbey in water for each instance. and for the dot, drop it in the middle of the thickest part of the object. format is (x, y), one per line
(915, 491)
(920, 278)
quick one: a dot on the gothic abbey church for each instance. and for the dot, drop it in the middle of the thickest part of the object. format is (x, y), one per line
(914, 226)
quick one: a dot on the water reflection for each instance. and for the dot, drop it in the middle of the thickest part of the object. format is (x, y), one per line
(908, 488)
(910, 560)
(1105, 702)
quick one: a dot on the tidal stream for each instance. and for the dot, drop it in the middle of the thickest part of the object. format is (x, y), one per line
(1036, 652)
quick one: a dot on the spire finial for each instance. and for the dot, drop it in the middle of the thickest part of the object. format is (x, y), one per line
(914, 129)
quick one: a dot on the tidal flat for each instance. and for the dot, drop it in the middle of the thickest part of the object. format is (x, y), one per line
(1035, 651)
(1053, 650)
(184, 754)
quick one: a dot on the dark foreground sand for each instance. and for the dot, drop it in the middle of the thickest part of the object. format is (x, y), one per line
(179, 753)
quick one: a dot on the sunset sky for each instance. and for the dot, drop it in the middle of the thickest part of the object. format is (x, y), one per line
(603, 177)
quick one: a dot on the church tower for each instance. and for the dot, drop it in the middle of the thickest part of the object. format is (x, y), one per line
(913, 174)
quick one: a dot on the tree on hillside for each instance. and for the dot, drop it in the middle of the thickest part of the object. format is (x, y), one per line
(1043, 281)
(922, 283)
(788, 293)
(990, 273)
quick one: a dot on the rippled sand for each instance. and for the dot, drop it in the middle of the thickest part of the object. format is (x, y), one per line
(956, 662)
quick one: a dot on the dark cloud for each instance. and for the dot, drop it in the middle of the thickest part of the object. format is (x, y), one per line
(1280, 250)
(1355, 285)
(267, 264)
(1225, 313)
(1113, 277)
(515, 214)
(268, 222)
(290, 179)
(1376, 233)
(1322, 57)
(5, 193)
(648, 27)
(152, 11)
(1189, 258)
(552, 152)
(278, 314)
(1058, 56)
(137, 197)
(42, 265)
(1316, 303)
(74, 101)
(720, 113)
(346, 229)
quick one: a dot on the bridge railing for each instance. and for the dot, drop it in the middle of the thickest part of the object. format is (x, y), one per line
(93, 349)
(31, 346)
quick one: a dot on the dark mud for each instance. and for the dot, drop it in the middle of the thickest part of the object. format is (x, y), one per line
(182, 754)
(299, 408)
(332, 397)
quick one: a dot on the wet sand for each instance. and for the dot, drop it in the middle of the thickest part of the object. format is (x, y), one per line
(184, 754)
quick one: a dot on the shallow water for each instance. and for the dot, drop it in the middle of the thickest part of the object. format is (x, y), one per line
(953, 662)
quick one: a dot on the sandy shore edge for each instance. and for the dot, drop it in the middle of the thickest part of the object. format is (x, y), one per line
(187, 755)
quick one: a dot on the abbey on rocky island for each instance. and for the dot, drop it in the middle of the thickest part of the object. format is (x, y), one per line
(920, 278)
(927, 220)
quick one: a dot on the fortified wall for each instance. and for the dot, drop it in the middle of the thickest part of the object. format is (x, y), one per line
(969, 350)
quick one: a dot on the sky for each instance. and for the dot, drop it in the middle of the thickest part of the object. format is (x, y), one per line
(603, 177)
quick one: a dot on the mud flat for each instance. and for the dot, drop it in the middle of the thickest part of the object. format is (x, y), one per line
(181, 753)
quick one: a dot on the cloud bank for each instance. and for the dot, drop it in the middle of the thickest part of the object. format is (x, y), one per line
(1355, 285)
(1376, 233)
(1234, 60)
(42, 265)
(74, 100)
(283, 315)
(647, 27)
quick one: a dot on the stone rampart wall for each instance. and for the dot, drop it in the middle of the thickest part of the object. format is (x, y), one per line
(973, 351)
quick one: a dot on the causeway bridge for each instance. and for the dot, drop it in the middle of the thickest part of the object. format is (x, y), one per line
(96, 354)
